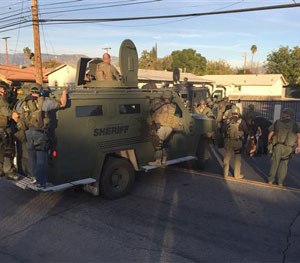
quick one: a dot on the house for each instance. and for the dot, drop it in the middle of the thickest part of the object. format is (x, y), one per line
(19, 74)
(62, 76)
(158, 76)
(250, 86)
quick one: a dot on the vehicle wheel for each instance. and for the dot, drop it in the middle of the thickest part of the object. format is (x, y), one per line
(117, 178)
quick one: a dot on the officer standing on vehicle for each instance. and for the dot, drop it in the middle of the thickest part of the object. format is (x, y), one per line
(37, 120)
(106, 71)
(284, 140)
(6, 142)
(162, 121)
(234, 129)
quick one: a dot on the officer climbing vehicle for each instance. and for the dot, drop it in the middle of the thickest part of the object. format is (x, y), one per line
(101, 138)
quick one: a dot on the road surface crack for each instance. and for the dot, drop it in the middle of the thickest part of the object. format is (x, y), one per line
(289, 236)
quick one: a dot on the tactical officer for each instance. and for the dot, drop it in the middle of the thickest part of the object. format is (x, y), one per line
(228, 113)
(203, 109)
(234, 128)
(6, 139)
(106, 71)
(162, 121)
(284, 140)
(249, 117)
(35, 111)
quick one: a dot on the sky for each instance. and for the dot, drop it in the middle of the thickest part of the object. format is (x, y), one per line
(227, 36)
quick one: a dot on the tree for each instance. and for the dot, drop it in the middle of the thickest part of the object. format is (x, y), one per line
(220, 67)
(51, 63)
(285, 61)
(253, 51)
(189, 60)
(29, 54)
(149, 60)
(167, 62)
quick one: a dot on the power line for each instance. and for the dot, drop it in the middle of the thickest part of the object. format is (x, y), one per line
(109, 4)
(242, 10)
(100, 7)
(77, 21)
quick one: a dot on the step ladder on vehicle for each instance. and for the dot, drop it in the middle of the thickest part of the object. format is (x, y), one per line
(26, 183)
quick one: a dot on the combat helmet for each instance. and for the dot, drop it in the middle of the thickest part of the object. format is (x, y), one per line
(36, 88)
(288, 111)
(251, 107)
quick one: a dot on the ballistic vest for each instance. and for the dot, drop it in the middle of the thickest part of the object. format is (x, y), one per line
(233, 128)
(3, 118)
(165, 116)
(33, 115)
(285, 132)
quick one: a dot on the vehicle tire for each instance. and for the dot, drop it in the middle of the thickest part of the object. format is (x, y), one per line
(117, 178)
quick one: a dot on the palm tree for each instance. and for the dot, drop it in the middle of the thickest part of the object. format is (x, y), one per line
(28, 54)
(253, 51)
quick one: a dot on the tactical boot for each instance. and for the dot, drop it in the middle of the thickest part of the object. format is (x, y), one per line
(157, 162)
(12, 176)
(164, 161)
(240, 176)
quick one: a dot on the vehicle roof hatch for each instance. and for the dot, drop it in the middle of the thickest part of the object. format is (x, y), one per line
(128, 61)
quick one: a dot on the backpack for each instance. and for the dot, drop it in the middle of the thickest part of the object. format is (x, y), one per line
(34, 116)
(232, 128)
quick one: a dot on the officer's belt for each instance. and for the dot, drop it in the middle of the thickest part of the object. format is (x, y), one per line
(38, 129)
(283, 143)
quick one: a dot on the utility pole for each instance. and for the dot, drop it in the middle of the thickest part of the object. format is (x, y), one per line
(106, 49)
(6, 48)
(245, 62)
(37, 45)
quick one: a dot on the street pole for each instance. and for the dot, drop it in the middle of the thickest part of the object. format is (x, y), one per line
(106, 49)
(6, 48)
(245, 62)
(37, 45)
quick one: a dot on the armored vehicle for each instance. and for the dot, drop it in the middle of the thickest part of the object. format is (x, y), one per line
(101, 138)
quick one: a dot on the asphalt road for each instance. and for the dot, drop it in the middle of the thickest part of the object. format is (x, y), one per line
(172, 215)
(255, 168)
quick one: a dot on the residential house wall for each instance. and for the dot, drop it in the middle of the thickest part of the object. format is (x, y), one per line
(263, 86)
(65, 76)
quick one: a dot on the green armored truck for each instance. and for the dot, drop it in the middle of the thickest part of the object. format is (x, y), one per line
(101, 138)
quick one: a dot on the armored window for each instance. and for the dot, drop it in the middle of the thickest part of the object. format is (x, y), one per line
(89, 110)
(184, 96)
(129, 108)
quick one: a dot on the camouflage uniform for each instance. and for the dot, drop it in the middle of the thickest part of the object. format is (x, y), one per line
(235, 128)
(283, 139)
(6, 139)
(204, 110)
(249, 117)
(162, 121)
(107, 72)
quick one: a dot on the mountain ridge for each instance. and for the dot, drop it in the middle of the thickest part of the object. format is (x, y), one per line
(70, 59)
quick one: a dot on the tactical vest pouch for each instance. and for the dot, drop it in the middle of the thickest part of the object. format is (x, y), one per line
(20, 135)
(3, 121)
(37, 115)
(232, 130)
